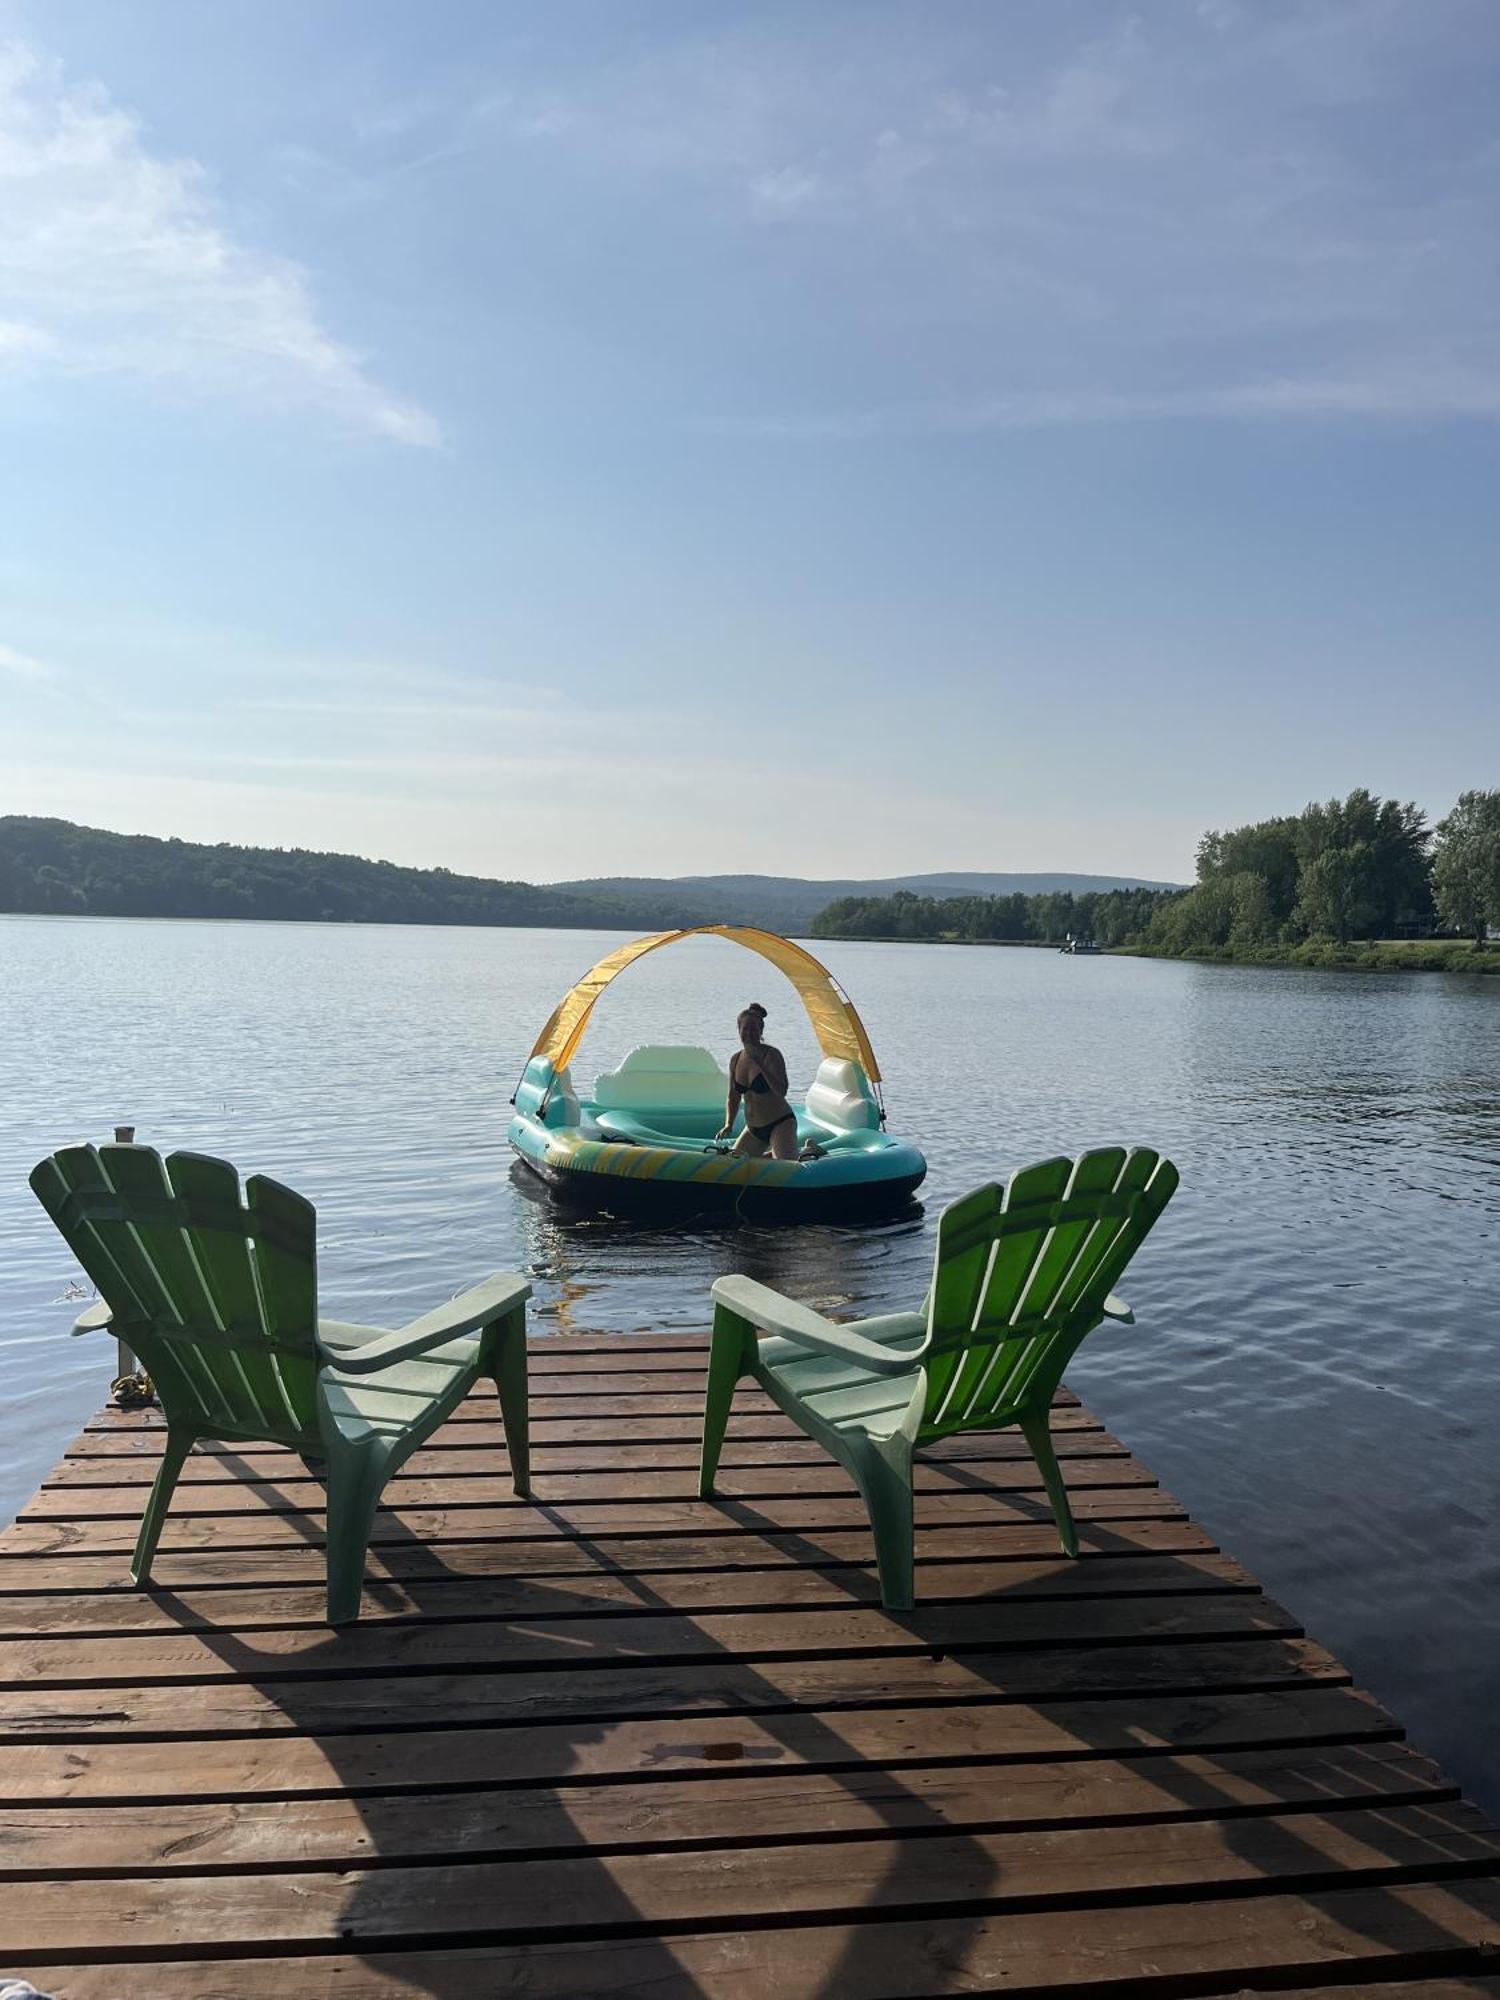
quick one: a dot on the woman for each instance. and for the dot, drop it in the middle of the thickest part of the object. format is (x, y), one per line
(757, 1076)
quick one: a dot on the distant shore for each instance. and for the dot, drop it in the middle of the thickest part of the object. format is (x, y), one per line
(1388, 955)
(1379, 955)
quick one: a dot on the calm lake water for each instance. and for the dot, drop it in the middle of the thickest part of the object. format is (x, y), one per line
(1316, 1367)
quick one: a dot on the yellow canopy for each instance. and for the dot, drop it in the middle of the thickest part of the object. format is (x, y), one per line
(839, 1030)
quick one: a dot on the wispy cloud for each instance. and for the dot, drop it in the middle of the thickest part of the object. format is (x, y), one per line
(1204, 210)
(115, 259)
(1411, 396)
(21, 666)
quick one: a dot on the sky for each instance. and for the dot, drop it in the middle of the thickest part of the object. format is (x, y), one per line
(836, 438)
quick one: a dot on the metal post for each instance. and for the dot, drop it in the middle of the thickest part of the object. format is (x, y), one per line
(124, 1359)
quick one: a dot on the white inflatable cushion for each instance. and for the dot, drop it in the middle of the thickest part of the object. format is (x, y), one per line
(841, 1098)
(564, 1093)
(664, 1079)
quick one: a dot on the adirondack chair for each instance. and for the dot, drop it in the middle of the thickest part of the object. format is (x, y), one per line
(1020, 1276)
(217, 1293)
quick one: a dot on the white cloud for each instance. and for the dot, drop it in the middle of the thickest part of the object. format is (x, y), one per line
(23, 666)
(1205, 210)
(117, 260)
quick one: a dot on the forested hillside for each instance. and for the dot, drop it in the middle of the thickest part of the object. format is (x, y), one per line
(51, 866)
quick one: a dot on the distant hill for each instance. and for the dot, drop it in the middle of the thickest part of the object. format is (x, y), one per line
(51, 866)
(787, 903)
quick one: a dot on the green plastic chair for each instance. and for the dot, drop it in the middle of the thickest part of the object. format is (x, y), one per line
(1020, 1276)
(217, 1294)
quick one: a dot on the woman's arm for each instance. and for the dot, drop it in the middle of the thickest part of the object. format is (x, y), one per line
(732, 1104)
(773, 1062)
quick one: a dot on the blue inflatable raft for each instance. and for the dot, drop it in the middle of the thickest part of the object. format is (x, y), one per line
(643, 1139)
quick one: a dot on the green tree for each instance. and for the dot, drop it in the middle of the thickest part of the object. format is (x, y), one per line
(1337, 895)
(1268, 849)
(1363, 867)
(1466, 866)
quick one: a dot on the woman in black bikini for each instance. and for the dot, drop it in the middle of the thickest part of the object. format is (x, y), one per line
(757, 1074)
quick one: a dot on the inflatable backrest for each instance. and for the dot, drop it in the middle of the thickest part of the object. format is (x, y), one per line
(663, 1079)
(540, 1083)
(841, 1097)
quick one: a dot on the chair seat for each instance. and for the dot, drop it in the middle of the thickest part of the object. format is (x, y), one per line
(840, 1393)
(384, 1404)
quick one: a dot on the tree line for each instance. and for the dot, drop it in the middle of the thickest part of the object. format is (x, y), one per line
(1112, 917)
(1339, 873)
(52, 867)
(1343, 871)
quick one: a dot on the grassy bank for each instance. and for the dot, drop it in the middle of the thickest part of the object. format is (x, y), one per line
(942, 937)
(1384, 955)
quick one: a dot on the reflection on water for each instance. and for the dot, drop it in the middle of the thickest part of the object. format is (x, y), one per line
(1315, 1369)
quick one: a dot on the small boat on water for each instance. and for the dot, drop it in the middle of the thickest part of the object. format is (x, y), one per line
(644, 1138)
(1080, 947)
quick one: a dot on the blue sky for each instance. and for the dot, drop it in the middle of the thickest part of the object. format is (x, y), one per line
(553, 439)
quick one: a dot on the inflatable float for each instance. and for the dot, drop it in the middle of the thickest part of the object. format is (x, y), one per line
(643, 1140)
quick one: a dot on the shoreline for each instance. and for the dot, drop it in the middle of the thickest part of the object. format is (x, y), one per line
(1457, 955)
(1381, 955)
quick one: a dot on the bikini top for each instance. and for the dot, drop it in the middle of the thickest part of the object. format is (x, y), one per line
(757, 1084)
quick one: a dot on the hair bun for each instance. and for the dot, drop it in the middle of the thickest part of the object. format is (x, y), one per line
(756, 1008)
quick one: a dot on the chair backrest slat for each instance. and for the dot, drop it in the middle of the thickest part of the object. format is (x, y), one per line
(1021, 1276)
(216, 1293)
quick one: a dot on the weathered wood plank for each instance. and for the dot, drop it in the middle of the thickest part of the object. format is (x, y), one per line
(659, 1813)
(59, 1616)
(433, 1526)
(639, 1555)
(305, 1495)
(994, 1734)
(401, 1646)
(137, 1468)
(562, 1894)
(466, 1431)
(599, 1398)
(1450, 1928)
(340, 1704)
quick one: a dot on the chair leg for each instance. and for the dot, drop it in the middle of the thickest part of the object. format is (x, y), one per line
(508, 1357)
(1037, 1430)
(356, 1479)
(179, 1444)
(726, 1364)
(886, 1487)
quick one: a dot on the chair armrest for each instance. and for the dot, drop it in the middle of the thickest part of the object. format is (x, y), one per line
(1114, 1308)
(478, 1307)
(98, 1316)
(862, 1341)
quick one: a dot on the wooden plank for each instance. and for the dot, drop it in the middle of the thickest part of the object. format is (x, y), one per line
(625, 1411)
(432, 1526)
(773, 1807)
(604, 1394)
(642, 1555)
(482, 1432)
(58, 1616)
(697, 1887)
(404, 1646)
(137, 1468)
(339, 1704)
(543, 1345)
(1448, 1929)
(306, 1495)
(454, 1757)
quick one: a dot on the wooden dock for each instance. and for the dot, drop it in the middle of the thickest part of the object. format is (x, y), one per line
(620, 1742)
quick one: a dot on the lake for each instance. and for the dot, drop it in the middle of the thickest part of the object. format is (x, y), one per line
(1316, 1365)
